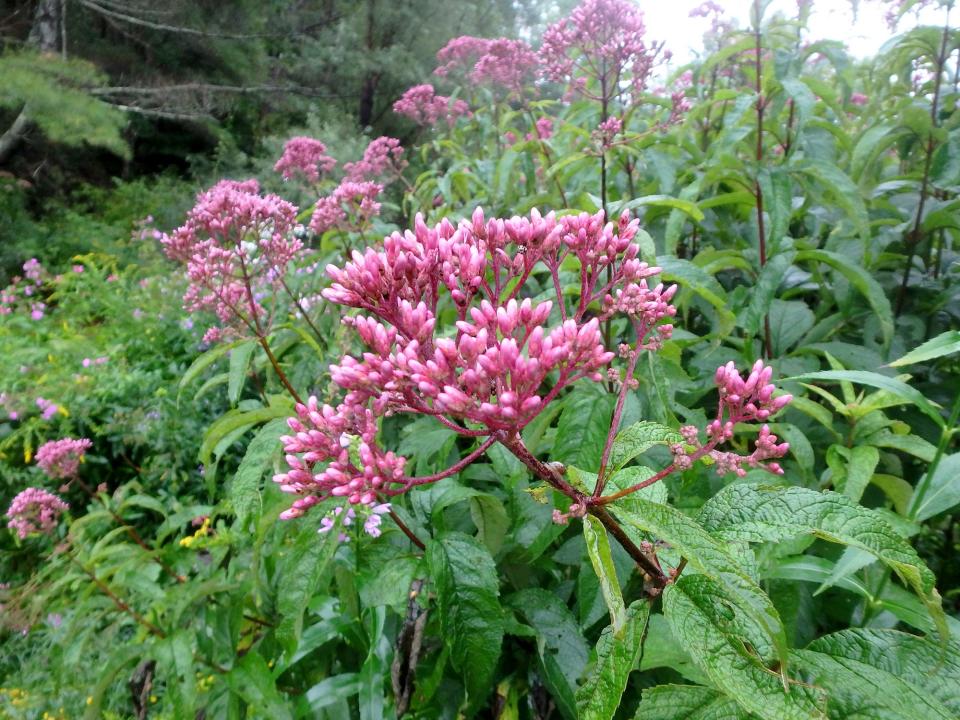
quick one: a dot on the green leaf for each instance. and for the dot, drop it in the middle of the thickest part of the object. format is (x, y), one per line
(862, 280)
(303, 566)
(789, 322)
(698, 281)
(707, 555)
(941, 492)
(598, 548)
(758, 513)
(882, 382)
(841, 189)
(239, 364)
(561, 650)
(252, 680)
(637, 439)
(491, 520)
(687, 702)
(617, 655)
(853, 685)
(684, 206)
(583, 427)
(765, 289)
(705, 623)
(244, 492)
(465, 578)
(914, 660)
(236, 420)
(203, 362)
(861, 461)
(943, 344)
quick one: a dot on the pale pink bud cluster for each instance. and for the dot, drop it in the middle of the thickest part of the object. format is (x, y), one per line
(60, 459)
(306, 157)
(345, 439)
(382, 160)
(422, 105)
(745, 400)
(858, 99)
(500, 62)
(599, 47)
(35, 511)
(48, 408)
(236, 244)
(741, 400)
(351, 206)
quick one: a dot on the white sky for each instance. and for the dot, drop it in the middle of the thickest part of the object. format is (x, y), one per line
(670, 20)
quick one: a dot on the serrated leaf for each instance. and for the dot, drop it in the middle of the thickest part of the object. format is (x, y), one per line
(854, 687)
(690, 277)
(789, 322)
(706, 624)
(561, 650)
(617, 654)
(943, 344)
(882, 382)
(598, 549)
(758, 513)
(465, 578)
(707, 555)
(685, 206)
(916, 660)
(303, 566)
(688, 702)
(244, 492)
(764, 290)
(637, 439)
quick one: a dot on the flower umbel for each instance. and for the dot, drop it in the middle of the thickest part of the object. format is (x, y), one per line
(34, 511)
(60, 459)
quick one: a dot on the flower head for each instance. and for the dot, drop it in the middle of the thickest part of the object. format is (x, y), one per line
(236, 244)
(60, 459)
(34, 511)
(422, 105)
(351, 206)
(598, 47)
(499, 63)
(382, 160)
(306, 157)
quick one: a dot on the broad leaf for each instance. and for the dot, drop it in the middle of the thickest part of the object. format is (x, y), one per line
(244, 492)
(687, 702)
(465, 578)
(561, 650)
(944, 344)
(637, 439)
(705, 623)
(708, 555)
(938, 493)
(759, 513)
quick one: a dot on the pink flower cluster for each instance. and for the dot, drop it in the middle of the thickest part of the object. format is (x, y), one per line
(501, 62)
(25, 290)
(607, 131)
(543, 129)
(236, 243)
(34, 511)
(47, 408)
(351, 206)
(599, 47)
(60, 459)
(383, 158)
(741, 400)
(495, 369)
(306, 157)
(422, 105)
